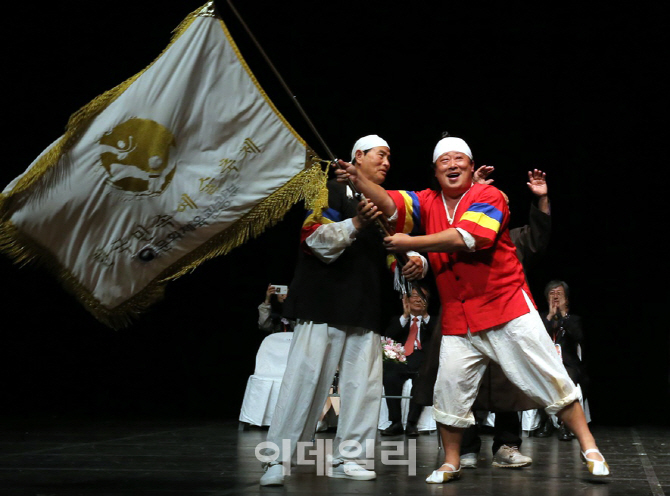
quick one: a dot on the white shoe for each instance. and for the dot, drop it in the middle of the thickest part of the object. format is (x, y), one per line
(273, 476)
(596, 467)
(442, 476)
(469, 460)
(510, 457)
(350, 470)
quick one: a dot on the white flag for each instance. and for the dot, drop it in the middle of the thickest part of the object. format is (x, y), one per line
(182, 162)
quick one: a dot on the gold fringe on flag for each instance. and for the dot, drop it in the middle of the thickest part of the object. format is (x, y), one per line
(308, 186)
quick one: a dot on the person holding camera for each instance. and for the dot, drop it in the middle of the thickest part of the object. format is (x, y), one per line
(270, 317)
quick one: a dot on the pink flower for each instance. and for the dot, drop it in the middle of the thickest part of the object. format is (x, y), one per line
(393, 351)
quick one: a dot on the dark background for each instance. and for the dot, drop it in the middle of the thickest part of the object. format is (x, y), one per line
(574, 91)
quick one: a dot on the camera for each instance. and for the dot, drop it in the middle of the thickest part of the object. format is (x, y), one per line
(280, 290)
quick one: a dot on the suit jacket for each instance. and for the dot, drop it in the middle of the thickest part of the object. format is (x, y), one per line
(400, 334)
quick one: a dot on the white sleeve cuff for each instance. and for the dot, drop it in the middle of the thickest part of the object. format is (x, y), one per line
(468, 238)
(330, 240)
(393, 217)
(348, 226)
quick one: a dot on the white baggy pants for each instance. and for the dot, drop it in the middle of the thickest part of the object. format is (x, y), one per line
(315, 354)
(525, 352)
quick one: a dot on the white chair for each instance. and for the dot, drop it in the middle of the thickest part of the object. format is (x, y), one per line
(530, 420)
(426, 421)
(263, 386)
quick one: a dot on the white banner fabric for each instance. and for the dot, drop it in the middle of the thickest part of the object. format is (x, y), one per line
(188, 148)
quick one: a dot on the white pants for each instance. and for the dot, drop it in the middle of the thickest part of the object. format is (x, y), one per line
(526, 354)
(316, 352)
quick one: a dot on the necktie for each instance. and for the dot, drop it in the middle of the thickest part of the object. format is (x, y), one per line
(413, 331)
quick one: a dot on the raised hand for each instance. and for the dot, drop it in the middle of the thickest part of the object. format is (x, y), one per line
(482, 173)
(405, 306)
(269, 292)
(537, 182)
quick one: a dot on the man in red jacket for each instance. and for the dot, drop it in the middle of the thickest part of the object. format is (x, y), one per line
(487, 311)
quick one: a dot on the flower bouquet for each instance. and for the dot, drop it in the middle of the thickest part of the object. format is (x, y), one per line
(393, 351)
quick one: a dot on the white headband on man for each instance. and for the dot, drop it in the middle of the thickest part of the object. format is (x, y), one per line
(367, 142)
(451, 145)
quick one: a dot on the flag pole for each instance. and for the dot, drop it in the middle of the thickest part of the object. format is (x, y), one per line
(383, 227)
(281, 80)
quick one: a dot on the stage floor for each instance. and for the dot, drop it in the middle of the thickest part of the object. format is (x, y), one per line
(192, 457)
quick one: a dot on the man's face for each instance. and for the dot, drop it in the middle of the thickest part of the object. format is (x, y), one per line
(375, 164)
(454, 171)
(557, 297)
(416, 304)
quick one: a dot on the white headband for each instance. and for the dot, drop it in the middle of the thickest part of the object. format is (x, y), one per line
(367, 142)
(451, 145)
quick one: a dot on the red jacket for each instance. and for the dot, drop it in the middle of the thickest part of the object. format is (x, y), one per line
(481, 289)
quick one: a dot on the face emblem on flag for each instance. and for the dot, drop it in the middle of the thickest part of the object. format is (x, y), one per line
(136, 155)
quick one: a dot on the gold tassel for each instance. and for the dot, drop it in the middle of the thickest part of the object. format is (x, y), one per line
(309, 185)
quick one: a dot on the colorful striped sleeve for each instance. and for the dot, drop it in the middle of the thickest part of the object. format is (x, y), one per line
(484, 218)
(409, 211)
(315, 219)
